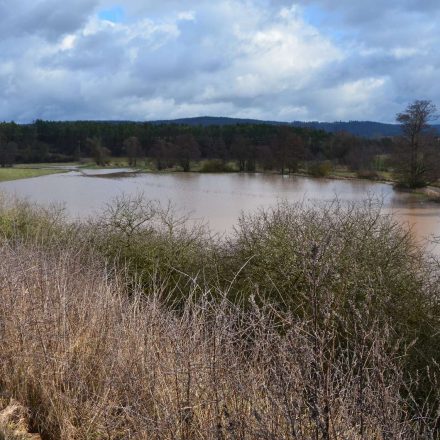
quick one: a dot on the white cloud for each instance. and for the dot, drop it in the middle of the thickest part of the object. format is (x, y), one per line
(247, 58)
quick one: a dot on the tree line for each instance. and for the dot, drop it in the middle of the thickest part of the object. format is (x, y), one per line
(414, 156)
(268, 146)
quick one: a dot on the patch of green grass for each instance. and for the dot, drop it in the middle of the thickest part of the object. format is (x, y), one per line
(46, 165)
(24, 173)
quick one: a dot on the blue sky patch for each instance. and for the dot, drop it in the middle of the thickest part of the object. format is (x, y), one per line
(314, 15)
(114, 14)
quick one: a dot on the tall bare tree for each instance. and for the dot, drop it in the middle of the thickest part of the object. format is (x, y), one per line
(99, 152)
(134, 151)
(288, 149)
(417, 151)
(187, 150)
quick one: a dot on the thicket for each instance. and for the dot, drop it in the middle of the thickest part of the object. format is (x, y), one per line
(308, 322)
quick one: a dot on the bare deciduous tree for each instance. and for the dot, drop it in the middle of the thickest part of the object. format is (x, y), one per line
(133, 149)
(99, 152)
(417, 151)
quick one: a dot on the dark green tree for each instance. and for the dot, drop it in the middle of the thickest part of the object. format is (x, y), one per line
(8, 152)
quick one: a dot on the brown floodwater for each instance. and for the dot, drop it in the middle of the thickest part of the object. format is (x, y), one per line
(218, 199)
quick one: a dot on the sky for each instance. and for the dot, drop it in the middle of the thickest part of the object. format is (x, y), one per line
(325, 60)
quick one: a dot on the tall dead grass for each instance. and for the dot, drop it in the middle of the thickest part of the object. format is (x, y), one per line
(92, 360)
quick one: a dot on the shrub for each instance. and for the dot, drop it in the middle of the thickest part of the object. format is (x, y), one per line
(335, 256)
(22, 220)
(90, 359)
(153, 243)
(320, 169)
(215, 166)
(311, 318)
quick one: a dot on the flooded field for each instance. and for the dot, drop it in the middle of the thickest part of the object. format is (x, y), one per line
(218, 199)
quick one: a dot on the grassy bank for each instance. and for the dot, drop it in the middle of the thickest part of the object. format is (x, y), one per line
(316, 322)
(24, 173)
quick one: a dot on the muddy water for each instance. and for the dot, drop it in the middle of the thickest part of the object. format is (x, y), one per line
(219, 198)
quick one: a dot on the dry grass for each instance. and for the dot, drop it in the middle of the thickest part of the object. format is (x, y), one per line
(310, 323)
(93, 361)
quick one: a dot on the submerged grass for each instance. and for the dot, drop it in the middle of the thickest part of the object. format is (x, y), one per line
(310, 322)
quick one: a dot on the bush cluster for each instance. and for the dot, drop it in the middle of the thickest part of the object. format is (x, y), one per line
(216, 166)
(308, 322)
(320, 169)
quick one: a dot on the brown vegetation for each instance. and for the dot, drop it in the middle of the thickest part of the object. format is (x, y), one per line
(276, 338)
(14, 422)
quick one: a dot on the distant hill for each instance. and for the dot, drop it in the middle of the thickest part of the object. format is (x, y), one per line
(359, 128)
(205, 121)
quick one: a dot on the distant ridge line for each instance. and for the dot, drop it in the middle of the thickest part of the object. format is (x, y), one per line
(369, 129)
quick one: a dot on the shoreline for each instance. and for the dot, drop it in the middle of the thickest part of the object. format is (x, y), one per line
(429, 193)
